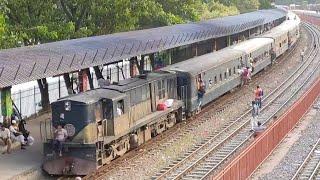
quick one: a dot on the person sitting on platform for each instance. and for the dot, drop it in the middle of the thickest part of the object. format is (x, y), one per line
(102, 82)
(5, 137)
(258, 128)
(108, 81)
(16, 134)
(60, 135)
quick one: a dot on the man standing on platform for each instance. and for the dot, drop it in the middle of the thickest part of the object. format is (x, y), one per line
(5, 136)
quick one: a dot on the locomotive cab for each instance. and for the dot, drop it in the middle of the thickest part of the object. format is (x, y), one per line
(115, 113)
(88, 118)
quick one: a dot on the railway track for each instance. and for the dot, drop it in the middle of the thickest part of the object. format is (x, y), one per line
(218, 107)
(207, 156)
(310, 168)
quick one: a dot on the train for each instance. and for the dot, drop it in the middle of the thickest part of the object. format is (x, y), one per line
(105, 123)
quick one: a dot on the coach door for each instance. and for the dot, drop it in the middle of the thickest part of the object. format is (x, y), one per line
(182, 90)
(153, 97)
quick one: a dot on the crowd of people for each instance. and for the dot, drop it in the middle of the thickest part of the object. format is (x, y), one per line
(255, 112)
(256, 105)
(15, 132)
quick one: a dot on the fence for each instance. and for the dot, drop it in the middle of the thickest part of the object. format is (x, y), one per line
(315, 20)
(251, 158)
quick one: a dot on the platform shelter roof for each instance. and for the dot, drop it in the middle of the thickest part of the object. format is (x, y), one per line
(24, 64)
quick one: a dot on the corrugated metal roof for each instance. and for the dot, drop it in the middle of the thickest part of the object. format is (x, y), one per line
(20, 65)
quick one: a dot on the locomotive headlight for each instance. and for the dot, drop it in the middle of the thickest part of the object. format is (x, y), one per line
(67, 105)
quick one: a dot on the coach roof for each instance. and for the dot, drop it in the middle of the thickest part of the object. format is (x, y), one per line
(205, 62)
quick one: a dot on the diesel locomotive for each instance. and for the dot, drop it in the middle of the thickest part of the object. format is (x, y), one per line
(105, 123)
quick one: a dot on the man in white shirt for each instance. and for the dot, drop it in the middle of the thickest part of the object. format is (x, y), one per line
(302, 55)
(5, 137)
(60, 135)
(15, 134)
(119, 111)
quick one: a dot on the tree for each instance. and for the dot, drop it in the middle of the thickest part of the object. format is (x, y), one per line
(182, 11)
(36, 22)
(242, 5)
(265, 4)
(248, 5)
(7, 40)
(30, 19)
(215, 10)
(32, 22)
(229, 2)
(44, 91)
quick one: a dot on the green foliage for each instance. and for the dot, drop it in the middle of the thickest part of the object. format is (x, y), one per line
(7, 40)
(30, 22)
(216, 10)
(265, 4)
(244, 5)
(300, 2)
(185, 10)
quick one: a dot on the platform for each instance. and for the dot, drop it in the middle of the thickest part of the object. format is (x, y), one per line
(21, 162)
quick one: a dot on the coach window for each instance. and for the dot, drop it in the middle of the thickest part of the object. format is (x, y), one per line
(220, 77)
(133, 97)
(225, 75)
(230, 72)
(143, 93)
(215, 80)
(148, 92)
(120, 108)
(234, 70)
(107, 109)
(161, 89)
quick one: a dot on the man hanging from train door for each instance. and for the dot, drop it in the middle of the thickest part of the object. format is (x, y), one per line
(245, 76)
(201, 93)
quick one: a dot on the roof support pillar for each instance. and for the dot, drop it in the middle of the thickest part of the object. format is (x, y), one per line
(83, 80)
(142, 62)
(118, 73)
(6, 105)
(195, 49)
(134, 67)
(228, 40)
(214, 45)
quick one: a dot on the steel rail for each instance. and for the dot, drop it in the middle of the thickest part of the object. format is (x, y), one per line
(311, 171)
